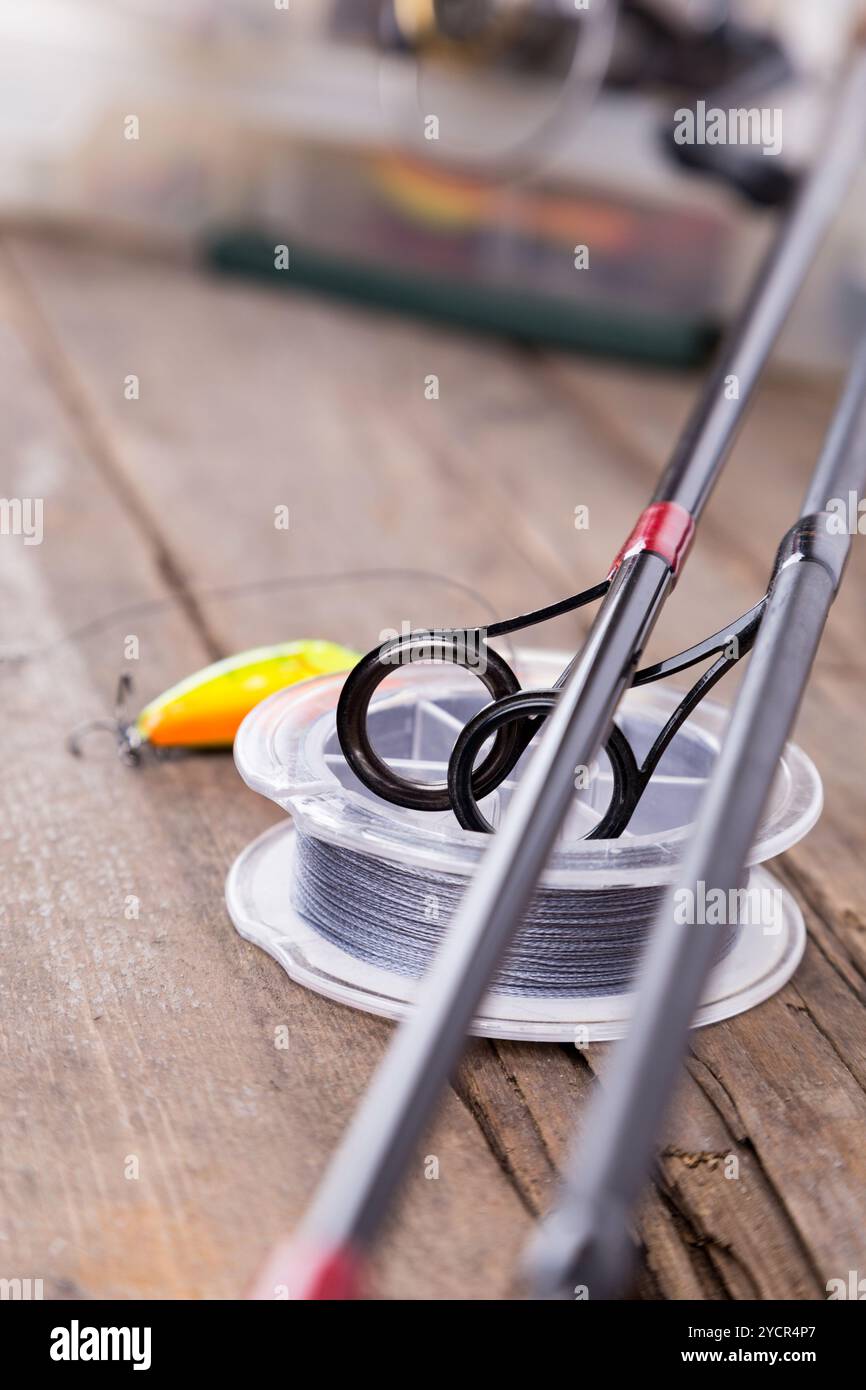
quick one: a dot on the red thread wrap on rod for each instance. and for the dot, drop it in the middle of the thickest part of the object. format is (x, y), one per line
(666, 529)
(298, 1272)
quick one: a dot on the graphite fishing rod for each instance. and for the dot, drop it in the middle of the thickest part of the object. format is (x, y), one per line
(326, 1259)
(586, 1242)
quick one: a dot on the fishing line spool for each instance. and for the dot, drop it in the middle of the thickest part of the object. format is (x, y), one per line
(353, 895)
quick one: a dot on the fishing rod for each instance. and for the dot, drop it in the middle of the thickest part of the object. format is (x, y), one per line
(586, 1241)
(326, 1259)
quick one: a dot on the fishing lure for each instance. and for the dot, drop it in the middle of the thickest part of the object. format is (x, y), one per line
(205, 710)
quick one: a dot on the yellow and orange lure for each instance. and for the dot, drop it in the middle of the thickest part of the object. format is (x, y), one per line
(206, 709)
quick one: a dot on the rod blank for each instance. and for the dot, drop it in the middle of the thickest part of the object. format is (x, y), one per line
(361, 1179)
(586, 1240)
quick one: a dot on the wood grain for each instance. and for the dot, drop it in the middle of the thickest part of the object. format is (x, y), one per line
(153, 1039)
(249, 400)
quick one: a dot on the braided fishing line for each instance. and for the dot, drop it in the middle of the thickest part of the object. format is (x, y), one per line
(573, 943)
(316, 580)
(353, 895)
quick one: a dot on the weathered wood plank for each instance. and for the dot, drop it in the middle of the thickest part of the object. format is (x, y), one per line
(152, 1037)
(489, 476)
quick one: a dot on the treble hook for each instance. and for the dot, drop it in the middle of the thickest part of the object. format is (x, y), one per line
(127, 737)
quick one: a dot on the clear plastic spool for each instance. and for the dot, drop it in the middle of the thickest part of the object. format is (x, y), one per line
(287, 749)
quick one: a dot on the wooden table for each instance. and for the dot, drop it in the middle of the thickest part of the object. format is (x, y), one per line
(154, 1138)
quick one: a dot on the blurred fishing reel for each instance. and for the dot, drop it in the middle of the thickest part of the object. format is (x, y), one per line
(681, 50)
(517, 32)
(689, 44)
(563, 50)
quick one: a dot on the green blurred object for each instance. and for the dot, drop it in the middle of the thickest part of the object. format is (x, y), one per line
(672, 339)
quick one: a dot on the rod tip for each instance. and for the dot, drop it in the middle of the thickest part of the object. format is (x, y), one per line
(582, 1250)
(297, 1271)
